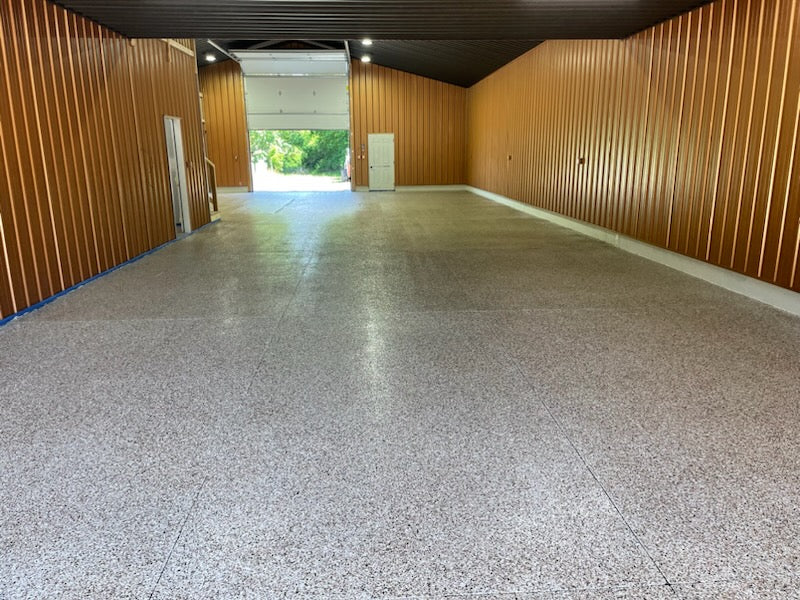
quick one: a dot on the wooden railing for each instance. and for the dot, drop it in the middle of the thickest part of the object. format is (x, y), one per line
(211, 173)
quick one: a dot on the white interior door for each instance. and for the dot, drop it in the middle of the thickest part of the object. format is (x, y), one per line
(381, 161)
(177, 174)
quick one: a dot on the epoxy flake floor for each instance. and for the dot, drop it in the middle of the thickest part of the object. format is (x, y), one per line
(398, 396)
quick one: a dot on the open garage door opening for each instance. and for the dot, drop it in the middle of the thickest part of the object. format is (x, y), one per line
(298, 115)
(300, 160)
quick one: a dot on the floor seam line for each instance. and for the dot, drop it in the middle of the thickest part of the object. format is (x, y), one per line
(605, 491)
(540, 590)
(281, 319)
(583, 460)
(178, 537)
(285, 205)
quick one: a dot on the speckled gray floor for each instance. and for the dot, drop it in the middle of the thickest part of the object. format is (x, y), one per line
(398, 396)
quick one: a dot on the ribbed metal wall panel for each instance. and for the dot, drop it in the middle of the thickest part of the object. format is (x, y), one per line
(428, 119)
(684, 135)
(84, 182)
(226, 123)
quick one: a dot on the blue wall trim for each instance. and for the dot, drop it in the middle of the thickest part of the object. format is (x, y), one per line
(49, 299)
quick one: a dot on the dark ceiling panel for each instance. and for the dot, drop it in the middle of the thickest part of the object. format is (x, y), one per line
(457, 41)
(219, 49)
(380, 19)
(204, 48)
(460, 62)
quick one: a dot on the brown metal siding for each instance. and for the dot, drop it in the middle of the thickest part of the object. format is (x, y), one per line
(428, 119)
(226, 123)
(689, 131)
(83, 183)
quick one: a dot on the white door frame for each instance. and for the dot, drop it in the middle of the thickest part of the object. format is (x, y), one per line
(371, 139)
(185, 217)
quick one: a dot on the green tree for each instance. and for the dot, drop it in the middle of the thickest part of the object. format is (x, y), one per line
(271, 147)
(326, 151)
(317, 152)
(260, 144)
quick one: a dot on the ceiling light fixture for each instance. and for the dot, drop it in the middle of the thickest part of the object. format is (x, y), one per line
(366, 42)
(210, 57)
(366, 58)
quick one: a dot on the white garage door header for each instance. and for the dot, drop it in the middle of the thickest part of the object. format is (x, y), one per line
(296, 89)
(293, 63)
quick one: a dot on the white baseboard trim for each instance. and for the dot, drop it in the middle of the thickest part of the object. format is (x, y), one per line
(233, 190)
(778, 297)
(422, 188)
(431, 188)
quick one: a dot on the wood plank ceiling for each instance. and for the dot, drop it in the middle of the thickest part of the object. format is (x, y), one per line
(457, 41)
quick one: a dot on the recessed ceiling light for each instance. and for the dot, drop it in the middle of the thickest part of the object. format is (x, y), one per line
(210, 57)
(366, 58)
(366, 42)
